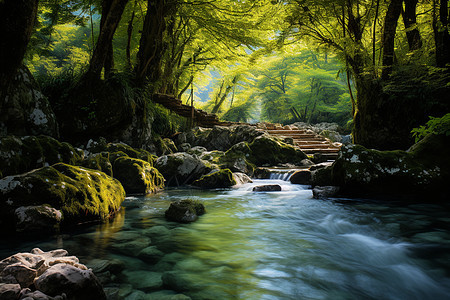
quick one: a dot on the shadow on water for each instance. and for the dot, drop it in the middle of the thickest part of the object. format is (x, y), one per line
(270, 245)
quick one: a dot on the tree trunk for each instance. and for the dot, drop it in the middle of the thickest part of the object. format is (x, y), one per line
(410, 21)
(390, 27)
(441, 34)
(17, 18)
(102, 56)
(129, 36)
(151, 47)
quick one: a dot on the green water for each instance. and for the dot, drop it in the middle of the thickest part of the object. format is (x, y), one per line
(281, 245)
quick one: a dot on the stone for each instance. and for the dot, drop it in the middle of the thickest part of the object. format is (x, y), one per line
(74, 282)
(332, 135)
(180, 168)
(267, 188)
(47, 275)
(262, 173)
(22, 154)
(268, 150)
(216, 179)
(23, 275)
(236, 159)
(322, 177)
(125, 150)
(241, 178)
(133, 247)
(173, 280)
(137, 176)
(422, 172)
(321, 192)
(38, 219)
(150, 254)
(301, 177)
(114, 266)
(165, 146)
(167, 295)
(26, 111)
(185, 211)
(80, 194)
(185, 147)
(144, 280)
(197, 150)
(9, 291)
(98, 161)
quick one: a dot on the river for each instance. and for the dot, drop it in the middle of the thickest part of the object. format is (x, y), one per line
(279, 245)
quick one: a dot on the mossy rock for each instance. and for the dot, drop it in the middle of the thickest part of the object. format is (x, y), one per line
(421, 173)
(236, 159)
(165, 146)
(22, 154)
(137, 176)
(80, 194)
(181, 168)
(211, 156)
(98, 147)
(99, 161)
(321, 177)
(216, 179)
(270, 151)
(185, 211)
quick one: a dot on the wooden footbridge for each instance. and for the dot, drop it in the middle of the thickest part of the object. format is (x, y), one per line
(306, 140)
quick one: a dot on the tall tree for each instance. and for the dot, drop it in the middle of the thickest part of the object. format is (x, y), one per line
(102, 55)
(17, 18)
(388, 43)
(410, 20)
(441, 32)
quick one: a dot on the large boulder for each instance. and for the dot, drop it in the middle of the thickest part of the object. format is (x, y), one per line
(22, 154)
(268, 150)
(216, 179)
(301, 177)
(101, 146)
(80, 194)
(99, 161)
(185, 211)
(137, 176)
(421, 172)
(49, 274)
(241, 178)
(40, 218)
(236, 159)
(25, 110)
(220, 137)
(181, 168)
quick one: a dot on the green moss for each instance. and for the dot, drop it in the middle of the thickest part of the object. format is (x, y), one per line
(267, 150)
(137, 176)
(216, 179)
(165, 146)
(99, 161)
(19, 155)
(236, 159)
(131, 152)
(185, 211)
(81, 194)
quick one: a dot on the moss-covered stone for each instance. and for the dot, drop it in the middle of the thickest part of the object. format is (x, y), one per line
(99, 161)
(236, 159)
(270, 151)
(185, 211)
(422, 172)
(301, 177)
(181, 168)
(137, 176)
(165, 146)
(216, 179)
(22, 154)
(98, 147)
(322, 177)
(262, 173)
(80, 194)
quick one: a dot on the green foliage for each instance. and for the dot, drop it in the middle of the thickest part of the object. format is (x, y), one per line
(434, 125)
(165, 122)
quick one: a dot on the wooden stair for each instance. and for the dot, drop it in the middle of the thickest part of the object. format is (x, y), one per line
(308, 141)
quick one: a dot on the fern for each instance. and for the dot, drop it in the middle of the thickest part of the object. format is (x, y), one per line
(434, 125)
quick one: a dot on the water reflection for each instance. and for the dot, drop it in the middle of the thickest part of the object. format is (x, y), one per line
(281, 245)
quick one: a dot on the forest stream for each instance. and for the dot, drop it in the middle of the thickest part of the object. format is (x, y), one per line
(278, 245)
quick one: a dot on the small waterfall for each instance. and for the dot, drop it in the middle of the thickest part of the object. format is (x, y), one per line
(281, 174)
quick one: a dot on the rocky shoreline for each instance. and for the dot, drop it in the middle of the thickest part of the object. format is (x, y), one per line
(48, 185)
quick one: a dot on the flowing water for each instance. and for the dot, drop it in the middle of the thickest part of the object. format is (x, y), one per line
(279, 245)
